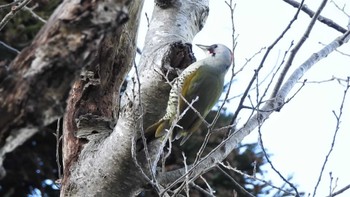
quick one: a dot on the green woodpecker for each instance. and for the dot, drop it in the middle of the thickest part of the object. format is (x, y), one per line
(201, 84)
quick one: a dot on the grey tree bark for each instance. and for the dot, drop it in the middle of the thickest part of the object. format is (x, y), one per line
(98, 160)
(35, 86)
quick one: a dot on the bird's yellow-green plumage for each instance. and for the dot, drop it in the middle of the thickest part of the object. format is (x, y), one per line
(207, 86)
(202, 80)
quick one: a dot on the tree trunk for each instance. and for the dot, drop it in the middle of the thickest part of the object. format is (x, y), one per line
(34, 88)
(97, 160)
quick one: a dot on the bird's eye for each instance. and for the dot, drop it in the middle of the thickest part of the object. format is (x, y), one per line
(212, 49)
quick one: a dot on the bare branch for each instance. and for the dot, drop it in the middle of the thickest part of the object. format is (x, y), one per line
(8, 47)
(147, 18)
(338, 117)
(237, 185)
(312, 60)
(262, 64)
(143, 137)
(9, 4)
(202, 190)
(331, 187)
(311, 13)
(152, 168)
(186, 180)
(134, 158)
(248, 60)
(296, 48)
(340, 191)
(58, 142)
(208, 185)
(333, 78)
(254, 178)
(341, 9)
(272, 166)
(12, 13)
(36, 16)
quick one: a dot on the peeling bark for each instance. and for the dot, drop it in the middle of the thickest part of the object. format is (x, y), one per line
(92, 110)
(34, 89)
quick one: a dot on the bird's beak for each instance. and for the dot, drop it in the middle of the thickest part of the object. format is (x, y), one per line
(203, 47)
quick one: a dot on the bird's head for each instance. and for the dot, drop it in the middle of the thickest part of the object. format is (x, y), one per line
(218, 54)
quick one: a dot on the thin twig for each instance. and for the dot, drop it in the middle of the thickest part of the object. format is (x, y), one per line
(254, 178)
(9, 4)
(333, 78)
(330, 184)
(272, 166)
(197, 187)
(147, 18)
(234, 41)
(186, 180)
(235, 183)
(174, 124)
(262, 64)
(296, 92)
(249, 60)
(12, 13)
(341, 9)
(58, 142)
(242, 68)
(340, 191)
(144, 140)
(36, 16)
(134, 158)
(337, 127)
(296, 48)
(208, 185)
(268, 75)
(8, 47)
(275, 73)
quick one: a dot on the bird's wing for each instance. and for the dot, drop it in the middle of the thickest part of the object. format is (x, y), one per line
(207, 87)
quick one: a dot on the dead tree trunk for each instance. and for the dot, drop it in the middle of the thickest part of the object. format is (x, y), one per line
(34, 88)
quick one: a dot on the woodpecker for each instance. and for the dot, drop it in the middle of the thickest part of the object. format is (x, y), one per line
(201, 84)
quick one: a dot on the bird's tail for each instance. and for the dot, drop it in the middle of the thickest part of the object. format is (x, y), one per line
(154, 131)
(157, 129)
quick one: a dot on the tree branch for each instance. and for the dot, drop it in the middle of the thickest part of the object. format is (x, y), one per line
(12, 13)
(296, 48)
(269, 49)
(337, 127)
(320, 18)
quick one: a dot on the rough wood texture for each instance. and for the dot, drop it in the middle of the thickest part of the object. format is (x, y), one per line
(92, 109)
(34, 89)
(103, 165)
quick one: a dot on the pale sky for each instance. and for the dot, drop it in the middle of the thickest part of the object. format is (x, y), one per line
(298, 137)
